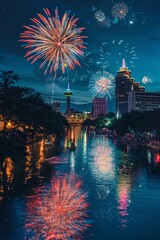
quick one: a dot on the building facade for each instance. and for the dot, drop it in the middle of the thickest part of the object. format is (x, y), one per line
(78, 117)
(124, 84)
(143, 101)
(99, 106)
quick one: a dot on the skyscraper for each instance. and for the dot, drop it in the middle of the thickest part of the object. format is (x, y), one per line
(68, 94)
(124, 84)
(99, 106)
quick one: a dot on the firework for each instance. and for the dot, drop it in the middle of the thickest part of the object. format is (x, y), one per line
(146, 80)
(102, 155)
(100, 16)
(101, 84)
(83, 73)
(58, 43)
(58, 213)
(112, 53)
(119, 11)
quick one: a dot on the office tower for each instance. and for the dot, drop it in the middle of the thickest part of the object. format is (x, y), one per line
(124, 84)
(99, 106)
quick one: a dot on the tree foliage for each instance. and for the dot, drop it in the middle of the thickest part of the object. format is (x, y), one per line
(137, 122)
(24, 106)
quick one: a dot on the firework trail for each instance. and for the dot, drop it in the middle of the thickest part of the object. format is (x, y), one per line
(101, 84)
(58, 43)
(57, 213)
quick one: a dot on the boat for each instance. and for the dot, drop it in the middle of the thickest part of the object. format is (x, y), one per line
(72, 147)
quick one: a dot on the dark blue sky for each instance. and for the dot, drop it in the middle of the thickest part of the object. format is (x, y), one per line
(140, 31)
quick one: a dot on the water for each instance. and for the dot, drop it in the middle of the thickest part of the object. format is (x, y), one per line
(122, 185)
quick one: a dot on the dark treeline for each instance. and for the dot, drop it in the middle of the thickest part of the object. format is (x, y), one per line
(26, 108)
(131, 122)
(137, 122)
(25, 115)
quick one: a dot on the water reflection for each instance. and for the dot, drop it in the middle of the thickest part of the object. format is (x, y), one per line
(58, 212)
(102, 167)
(119, 180)
(153, 161)
(9, 172)
(22, 169)
(73, 134)
(124, 184)
(102, 160)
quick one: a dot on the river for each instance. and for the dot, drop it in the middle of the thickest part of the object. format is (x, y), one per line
(121, 185)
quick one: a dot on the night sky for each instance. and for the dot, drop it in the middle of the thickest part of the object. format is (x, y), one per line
(140, 30)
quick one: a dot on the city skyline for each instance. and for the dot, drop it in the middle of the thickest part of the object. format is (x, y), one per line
(140, 31)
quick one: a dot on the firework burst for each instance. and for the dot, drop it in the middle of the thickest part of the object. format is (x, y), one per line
(119, 11)
(112, 53)
(101, 84)
(58, 213)
(58, 43)
(83, 73)
(100, 16)
(146, 80)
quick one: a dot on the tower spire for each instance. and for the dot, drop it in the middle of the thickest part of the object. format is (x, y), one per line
(68, 86)
(123, 63)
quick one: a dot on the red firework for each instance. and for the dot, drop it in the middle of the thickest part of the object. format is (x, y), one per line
(58, 43)
(57, 213)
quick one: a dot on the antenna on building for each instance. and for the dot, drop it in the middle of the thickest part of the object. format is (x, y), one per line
(68, 86)
(123, 63)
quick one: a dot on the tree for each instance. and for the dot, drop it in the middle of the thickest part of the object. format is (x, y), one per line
(7, 92)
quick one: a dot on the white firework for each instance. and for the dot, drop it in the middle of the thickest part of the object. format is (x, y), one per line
(100, 16)
(146, 80)
(120, 10)
(101, 84)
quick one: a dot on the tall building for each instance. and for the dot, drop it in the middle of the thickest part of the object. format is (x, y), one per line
(124, 84)
(99, 106)
(143, 101)
(57, 106)
(68, 94)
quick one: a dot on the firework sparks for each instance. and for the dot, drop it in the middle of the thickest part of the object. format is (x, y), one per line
(58, 43)
(101, 84)
(113, 52)
(58, 213)
(100, 16)
(82, 73)
(146, 80)
(119, 11)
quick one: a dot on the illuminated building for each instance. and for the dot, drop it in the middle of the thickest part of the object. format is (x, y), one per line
(57, 106)
(143, 101)
(99, 107)
(78, 117)
(68, 94)
(124, 84)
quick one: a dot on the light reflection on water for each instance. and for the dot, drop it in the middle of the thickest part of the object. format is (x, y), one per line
(122, 184)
